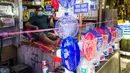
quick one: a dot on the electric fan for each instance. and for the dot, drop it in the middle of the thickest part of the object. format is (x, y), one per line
(67, 26)
(99, 41)
(67, 3)
(108, 32)
(70, 54)
(118, 37)
(89, 46)
(119, 33)
(104, 36)
(105, 42)
(113, 32)
(108, 48)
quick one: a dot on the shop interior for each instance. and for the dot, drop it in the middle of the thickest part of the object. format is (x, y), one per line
(64, 36)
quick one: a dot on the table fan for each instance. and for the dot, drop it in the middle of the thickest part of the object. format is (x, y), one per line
(67, 26)
(70, 54)
(106, 51)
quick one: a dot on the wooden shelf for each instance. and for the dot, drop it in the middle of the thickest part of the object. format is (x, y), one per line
(31, 5)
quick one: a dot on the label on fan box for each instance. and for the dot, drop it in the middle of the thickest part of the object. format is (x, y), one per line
(84, 70)
(81, 8)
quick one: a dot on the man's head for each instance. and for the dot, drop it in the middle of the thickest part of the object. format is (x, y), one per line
(39, 11)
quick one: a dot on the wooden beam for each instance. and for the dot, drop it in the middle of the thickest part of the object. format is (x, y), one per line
(80, 20)
(42, 2)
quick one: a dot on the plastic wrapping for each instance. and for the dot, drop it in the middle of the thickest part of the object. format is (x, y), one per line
(119, 33)
(108, 33)
(99, 43)
(89, 46)
(85, 67)
(114, 33)
(67, 26)
(105, 37)
(70, 53)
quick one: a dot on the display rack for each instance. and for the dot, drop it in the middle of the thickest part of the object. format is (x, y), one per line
(112, 65)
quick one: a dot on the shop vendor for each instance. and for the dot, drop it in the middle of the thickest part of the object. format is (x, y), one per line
(40, 21)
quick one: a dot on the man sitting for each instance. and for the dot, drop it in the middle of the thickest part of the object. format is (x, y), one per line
(40, 21)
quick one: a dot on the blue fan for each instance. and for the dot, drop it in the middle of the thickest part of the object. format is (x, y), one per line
(70, 54)
(67, 3)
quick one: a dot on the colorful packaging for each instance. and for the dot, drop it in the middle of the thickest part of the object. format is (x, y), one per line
(89, 46)
(106, 51)
(113, 32)
(108, 33)
(104, 35)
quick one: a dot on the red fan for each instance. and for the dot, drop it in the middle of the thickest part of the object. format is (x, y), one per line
(55, 4)
(89, 46)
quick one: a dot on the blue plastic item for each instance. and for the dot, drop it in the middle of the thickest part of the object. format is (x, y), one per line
(67, 3)
(67, 26)
(108, 32)
(70, 53)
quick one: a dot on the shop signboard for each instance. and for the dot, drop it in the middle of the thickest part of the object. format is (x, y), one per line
(48, 7)
(126, 30)
(81, 8)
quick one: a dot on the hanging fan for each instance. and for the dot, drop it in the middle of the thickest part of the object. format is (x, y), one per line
(67, 26)
(70, 54)
(89, 46)
(55, 4)
(67, 3)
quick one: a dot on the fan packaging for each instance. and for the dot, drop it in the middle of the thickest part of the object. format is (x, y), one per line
(99, 43)
(89, 46)
(106, 51)
(104, 44)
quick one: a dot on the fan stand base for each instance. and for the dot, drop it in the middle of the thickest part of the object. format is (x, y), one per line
(67, 71)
